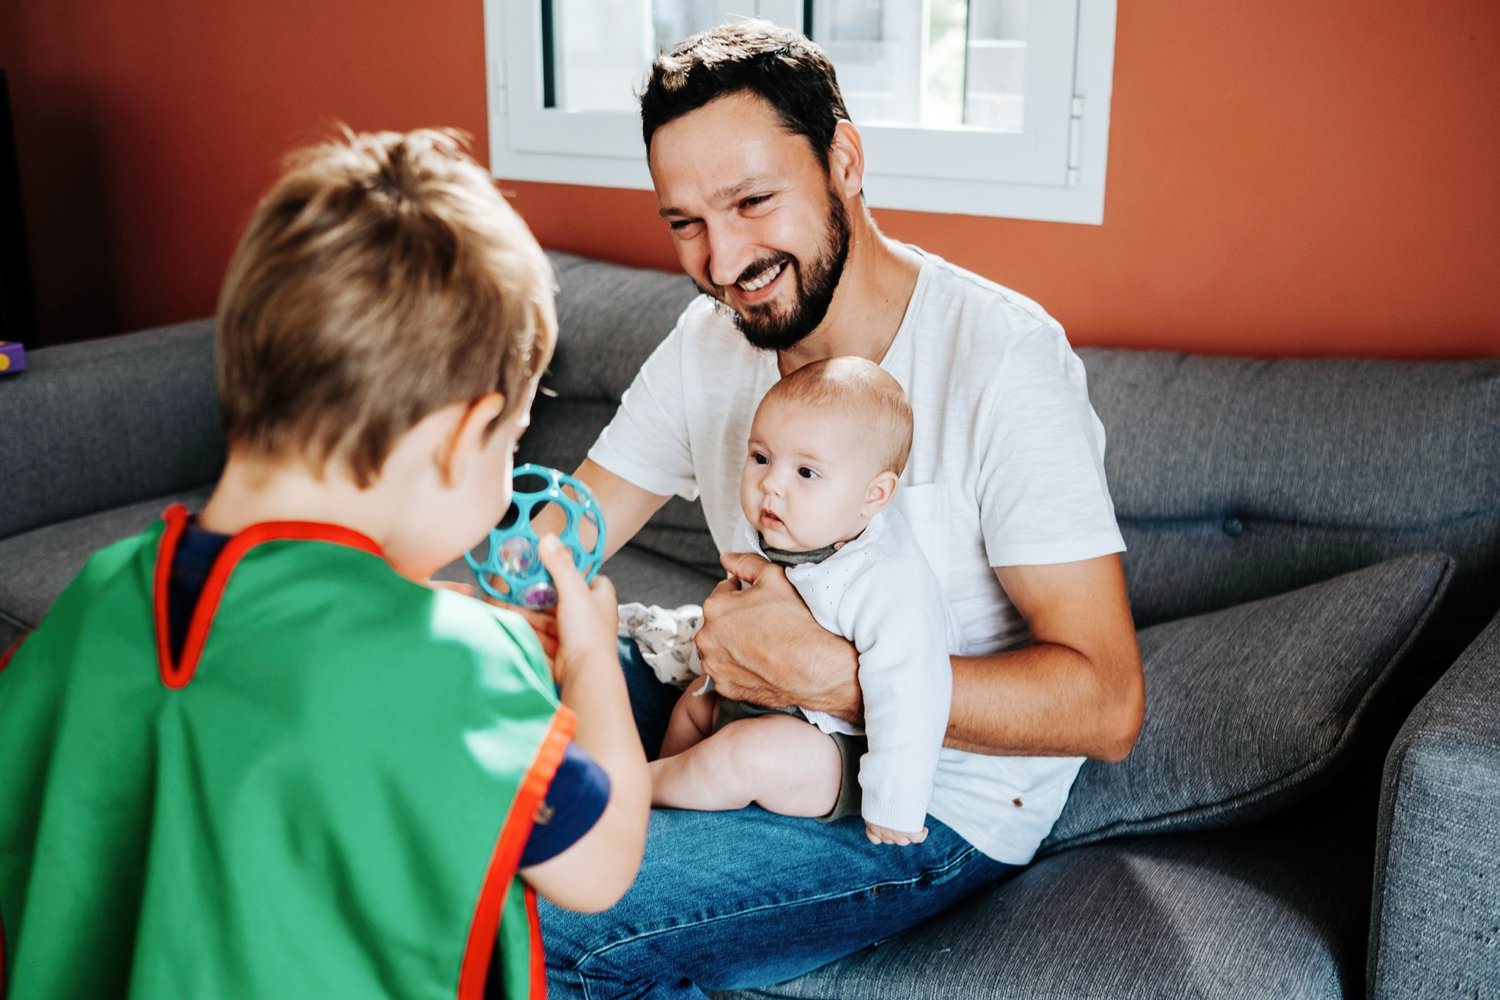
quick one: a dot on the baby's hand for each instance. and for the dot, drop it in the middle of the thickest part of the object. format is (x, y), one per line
(881, 835)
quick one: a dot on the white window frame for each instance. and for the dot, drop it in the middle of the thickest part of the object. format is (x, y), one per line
(1052, 171)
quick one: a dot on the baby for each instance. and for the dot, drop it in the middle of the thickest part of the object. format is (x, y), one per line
(827, 446)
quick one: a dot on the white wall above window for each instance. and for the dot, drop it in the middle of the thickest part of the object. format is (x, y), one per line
(979, 107)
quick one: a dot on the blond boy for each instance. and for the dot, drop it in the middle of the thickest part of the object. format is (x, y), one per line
(249, 752)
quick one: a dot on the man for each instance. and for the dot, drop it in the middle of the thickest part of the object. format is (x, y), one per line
(758, 173)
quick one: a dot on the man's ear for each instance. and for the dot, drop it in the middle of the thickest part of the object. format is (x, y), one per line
(846, 159)
(467, 436)
(878, 494)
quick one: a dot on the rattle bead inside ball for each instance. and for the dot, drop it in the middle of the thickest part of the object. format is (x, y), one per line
(518, 556)
(539, 596)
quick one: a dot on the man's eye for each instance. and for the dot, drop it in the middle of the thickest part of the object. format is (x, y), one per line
(753, 200)
(682, 226)
(806, 473)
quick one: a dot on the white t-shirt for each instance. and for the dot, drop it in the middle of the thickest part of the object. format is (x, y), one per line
(878, 592)
(1006, 469)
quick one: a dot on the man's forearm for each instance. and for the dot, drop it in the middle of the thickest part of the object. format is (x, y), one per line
(1042, 700)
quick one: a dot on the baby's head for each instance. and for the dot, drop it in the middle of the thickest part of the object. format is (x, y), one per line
(826, 448)
(382, 281)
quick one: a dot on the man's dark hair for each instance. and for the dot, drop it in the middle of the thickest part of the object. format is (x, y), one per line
(781, 66)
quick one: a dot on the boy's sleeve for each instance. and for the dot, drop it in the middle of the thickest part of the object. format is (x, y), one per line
(1043, 497)
(574, 802)
(899, 627)
(646, 442)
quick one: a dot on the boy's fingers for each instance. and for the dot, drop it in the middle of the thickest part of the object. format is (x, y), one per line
(559, 562)
(541, 622)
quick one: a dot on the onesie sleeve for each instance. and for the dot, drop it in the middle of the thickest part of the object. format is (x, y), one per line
(899, 627)
(646, 442)
(1042, 491)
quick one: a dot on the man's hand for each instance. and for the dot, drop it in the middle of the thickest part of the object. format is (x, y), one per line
(760, 644)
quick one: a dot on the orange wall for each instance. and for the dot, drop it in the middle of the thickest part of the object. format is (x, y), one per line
(1284, 177)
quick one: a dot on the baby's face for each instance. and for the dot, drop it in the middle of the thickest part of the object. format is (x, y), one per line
(806, 476)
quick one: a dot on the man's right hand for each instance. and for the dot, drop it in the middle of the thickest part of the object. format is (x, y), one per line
(749, 631)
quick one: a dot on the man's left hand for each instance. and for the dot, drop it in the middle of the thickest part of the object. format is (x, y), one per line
(760, 644)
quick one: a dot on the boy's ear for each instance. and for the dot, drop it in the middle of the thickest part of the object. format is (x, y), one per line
(467, 436)
(878, 494)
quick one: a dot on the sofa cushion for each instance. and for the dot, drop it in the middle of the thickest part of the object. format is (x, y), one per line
(1256, 912)
(1247, 706)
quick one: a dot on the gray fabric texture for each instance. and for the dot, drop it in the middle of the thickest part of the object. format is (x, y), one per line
(108, 423)
(1234, 479)
(36, 566)
(1435, 929)
(1246, 707)
(1259, 912)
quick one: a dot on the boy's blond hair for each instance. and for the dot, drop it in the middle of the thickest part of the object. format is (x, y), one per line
(382, 278)
(859, 388)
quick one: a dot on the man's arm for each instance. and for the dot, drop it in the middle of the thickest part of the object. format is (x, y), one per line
(1078, 690)
(626, 506)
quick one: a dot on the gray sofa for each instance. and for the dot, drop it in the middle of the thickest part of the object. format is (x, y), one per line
(1313, 809)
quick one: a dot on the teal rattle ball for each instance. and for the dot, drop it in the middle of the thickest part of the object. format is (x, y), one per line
(512, 555)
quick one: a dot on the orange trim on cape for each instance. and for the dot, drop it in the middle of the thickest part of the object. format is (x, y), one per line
(15, 648)
(178, 674)
(504, 861)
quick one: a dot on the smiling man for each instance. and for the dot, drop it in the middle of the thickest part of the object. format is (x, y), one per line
(759, 174)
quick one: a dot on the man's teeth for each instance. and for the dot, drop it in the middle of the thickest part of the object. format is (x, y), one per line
(763, 279)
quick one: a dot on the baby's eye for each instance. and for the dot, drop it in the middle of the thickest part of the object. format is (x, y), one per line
(806, 473)
(759, 458)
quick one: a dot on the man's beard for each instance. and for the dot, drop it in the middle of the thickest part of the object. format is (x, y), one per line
(769, 330)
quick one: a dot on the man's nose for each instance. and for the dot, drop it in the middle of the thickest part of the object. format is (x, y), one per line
(728, 252)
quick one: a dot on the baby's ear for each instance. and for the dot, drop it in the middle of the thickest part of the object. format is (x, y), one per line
(879, 493)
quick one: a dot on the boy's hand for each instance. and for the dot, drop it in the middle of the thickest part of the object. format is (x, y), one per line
(543, 623)
(884, 835)
(586, 616)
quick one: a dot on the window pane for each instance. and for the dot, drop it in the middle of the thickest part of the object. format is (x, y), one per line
(598, 51)
(938, 63)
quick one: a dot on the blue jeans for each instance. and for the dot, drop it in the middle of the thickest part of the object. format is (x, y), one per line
(728, 900)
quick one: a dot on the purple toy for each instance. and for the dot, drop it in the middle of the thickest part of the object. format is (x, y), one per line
(12, 358)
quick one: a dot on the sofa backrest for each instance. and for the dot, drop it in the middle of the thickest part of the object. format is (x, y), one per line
(1236, 478)
(121, 420)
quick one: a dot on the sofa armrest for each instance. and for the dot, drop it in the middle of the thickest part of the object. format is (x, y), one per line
(1435, 917)
(95, 425)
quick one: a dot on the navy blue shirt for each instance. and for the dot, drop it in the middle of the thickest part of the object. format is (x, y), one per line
(578, 793)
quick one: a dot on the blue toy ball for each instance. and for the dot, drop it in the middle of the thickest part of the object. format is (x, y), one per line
(512, 554)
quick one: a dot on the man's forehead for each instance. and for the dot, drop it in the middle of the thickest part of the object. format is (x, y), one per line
(724, 150)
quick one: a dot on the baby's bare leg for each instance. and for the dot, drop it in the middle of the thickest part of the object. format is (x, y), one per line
(692, 719)
(783, 764)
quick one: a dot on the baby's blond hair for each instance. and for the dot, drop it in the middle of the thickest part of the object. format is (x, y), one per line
(859, 388)
(382, 278)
